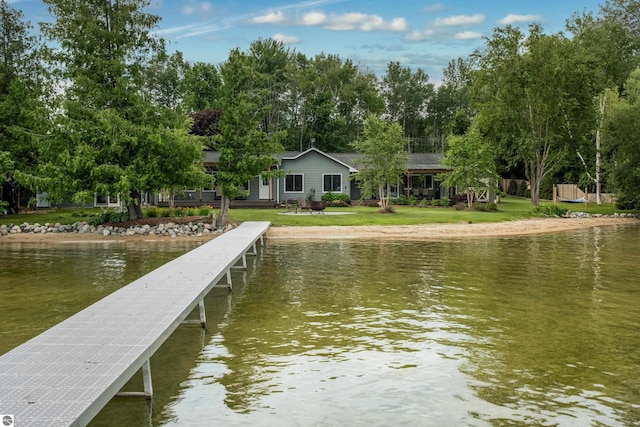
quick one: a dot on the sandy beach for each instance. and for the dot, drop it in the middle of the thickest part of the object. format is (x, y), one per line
(402, 232)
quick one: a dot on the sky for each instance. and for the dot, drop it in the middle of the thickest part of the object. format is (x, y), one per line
(371, 33)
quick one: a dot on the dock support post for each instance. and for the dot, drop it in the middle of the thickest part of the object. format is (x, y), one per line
(255, 251)
(146, 381)
(229, 279)
(203, 316)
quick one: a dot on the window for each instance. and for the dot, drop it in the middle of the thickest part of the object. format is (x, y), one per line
(428, 181)
(210, 179)
(293, 183)
(332, 183)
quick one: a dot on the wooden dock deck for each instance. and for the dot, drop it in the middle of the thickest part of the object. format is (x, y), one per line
(67, 374)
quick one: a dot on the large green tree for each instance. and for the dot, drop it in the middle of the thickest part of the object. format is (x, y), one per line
(622, 137)
(382, 159)
(22, 110)
(611, 50)
(407, 94)
(246, 148)
(111, 136)
(534, 96)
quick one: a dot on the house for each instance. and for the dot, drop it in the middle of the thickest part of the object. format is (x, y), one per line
(313, 170)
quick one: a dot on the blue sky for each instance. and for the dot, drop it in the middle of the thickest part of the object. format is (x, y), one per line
(425, 34)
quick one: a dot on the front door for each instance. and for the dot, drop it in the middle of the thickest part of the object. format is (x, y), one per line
(264, 187)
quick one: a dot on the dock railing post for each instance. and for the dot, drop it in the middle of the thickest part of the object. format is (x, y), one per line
(203, 316)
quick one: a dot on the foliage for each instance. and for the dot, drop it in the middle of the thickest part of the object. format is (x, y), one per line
(382, 158)
(549, 210)
(534, 94)
(109, 216)
(623, 139)
(406, 95)
(336, 199)
(113, 137)
(470, 163)
(22, 104)
(246, 148)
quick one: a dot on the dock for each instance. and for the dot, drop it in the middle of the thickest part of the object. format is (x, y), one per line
(67, 374)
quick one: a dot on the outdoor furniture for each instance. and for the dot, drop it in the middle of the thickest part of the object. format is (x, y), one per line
(302, 205)
(318, 205)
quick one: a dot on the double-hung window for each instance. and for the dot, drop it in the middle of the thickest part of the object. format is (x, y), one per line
(332, 182)
(294, 183)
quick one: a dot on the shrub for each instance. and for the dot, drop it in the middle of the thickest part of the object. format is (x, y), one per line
(549, 210)
(402, 200)
(109, 216)
(444, 201)
(491, 207)
(151, 212)
(204, 210)
(166, 213)
(425, 203)
(337, 199)
(190, 212)
(522, 189)
(413, 200)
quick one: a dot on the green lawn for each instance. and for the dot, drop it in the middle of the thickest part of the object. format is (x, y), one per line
(511, 208)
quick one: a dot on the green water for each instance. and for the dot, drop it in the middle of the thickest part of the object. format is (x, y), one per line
(541, 330)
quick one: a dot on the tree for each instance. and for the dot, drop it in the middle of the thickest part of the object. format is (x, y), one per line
(202, 82)
(112, 137)
(622, 137)
(471, 163)
(22, 110)
(407, 95)
(612, 51)
(382, 158)
(533, 94)
(246, 149)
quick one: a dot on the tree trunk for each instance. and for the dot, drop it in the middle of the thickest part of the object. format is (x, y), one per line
(224, 212)
(598, 145)
(382, 196)
(133, 208)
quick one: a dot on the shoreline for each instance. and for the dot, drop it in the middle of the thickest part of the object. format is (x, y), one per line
(389, 232)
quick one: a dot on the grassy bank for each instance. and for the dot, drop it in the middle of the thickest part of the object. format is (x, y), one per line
(510, 209)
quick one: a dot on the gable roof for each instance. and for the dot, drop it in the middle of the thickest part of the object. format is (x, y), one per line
(295, 155)
(416, 162)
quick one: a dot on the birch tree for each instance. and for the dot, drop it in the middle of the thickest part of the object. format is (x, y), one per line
(531, 97)
(382, 159)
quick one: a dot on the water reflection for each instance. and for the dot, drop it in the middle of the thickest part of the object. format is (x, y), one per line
(538, 330)
(500, 331)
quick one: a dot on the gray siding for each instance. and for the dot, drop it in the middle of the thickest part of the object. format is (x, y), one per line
(313, 166)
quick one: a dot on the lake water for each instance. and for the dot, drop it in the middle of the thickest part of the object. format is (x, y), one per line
(538, 330)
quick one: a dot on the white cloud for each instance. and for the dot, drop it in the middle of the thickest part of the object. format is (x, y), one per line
(468, 35)
(354, 21)
(518, 19)
(460, 20)
(270, 18)
(286, 39)
(417, 36)
(436, 7)
(202, 9)
(314, 18)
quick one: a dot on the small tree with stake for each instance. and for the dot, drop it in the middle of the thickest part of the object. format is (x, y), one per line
(382, 158)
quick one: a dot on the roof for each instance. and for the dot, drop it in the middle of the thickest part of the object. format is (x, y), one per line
(417, 161)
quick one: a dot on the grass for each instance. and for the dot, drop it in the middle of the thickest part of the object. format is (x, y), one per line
(511, 208)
